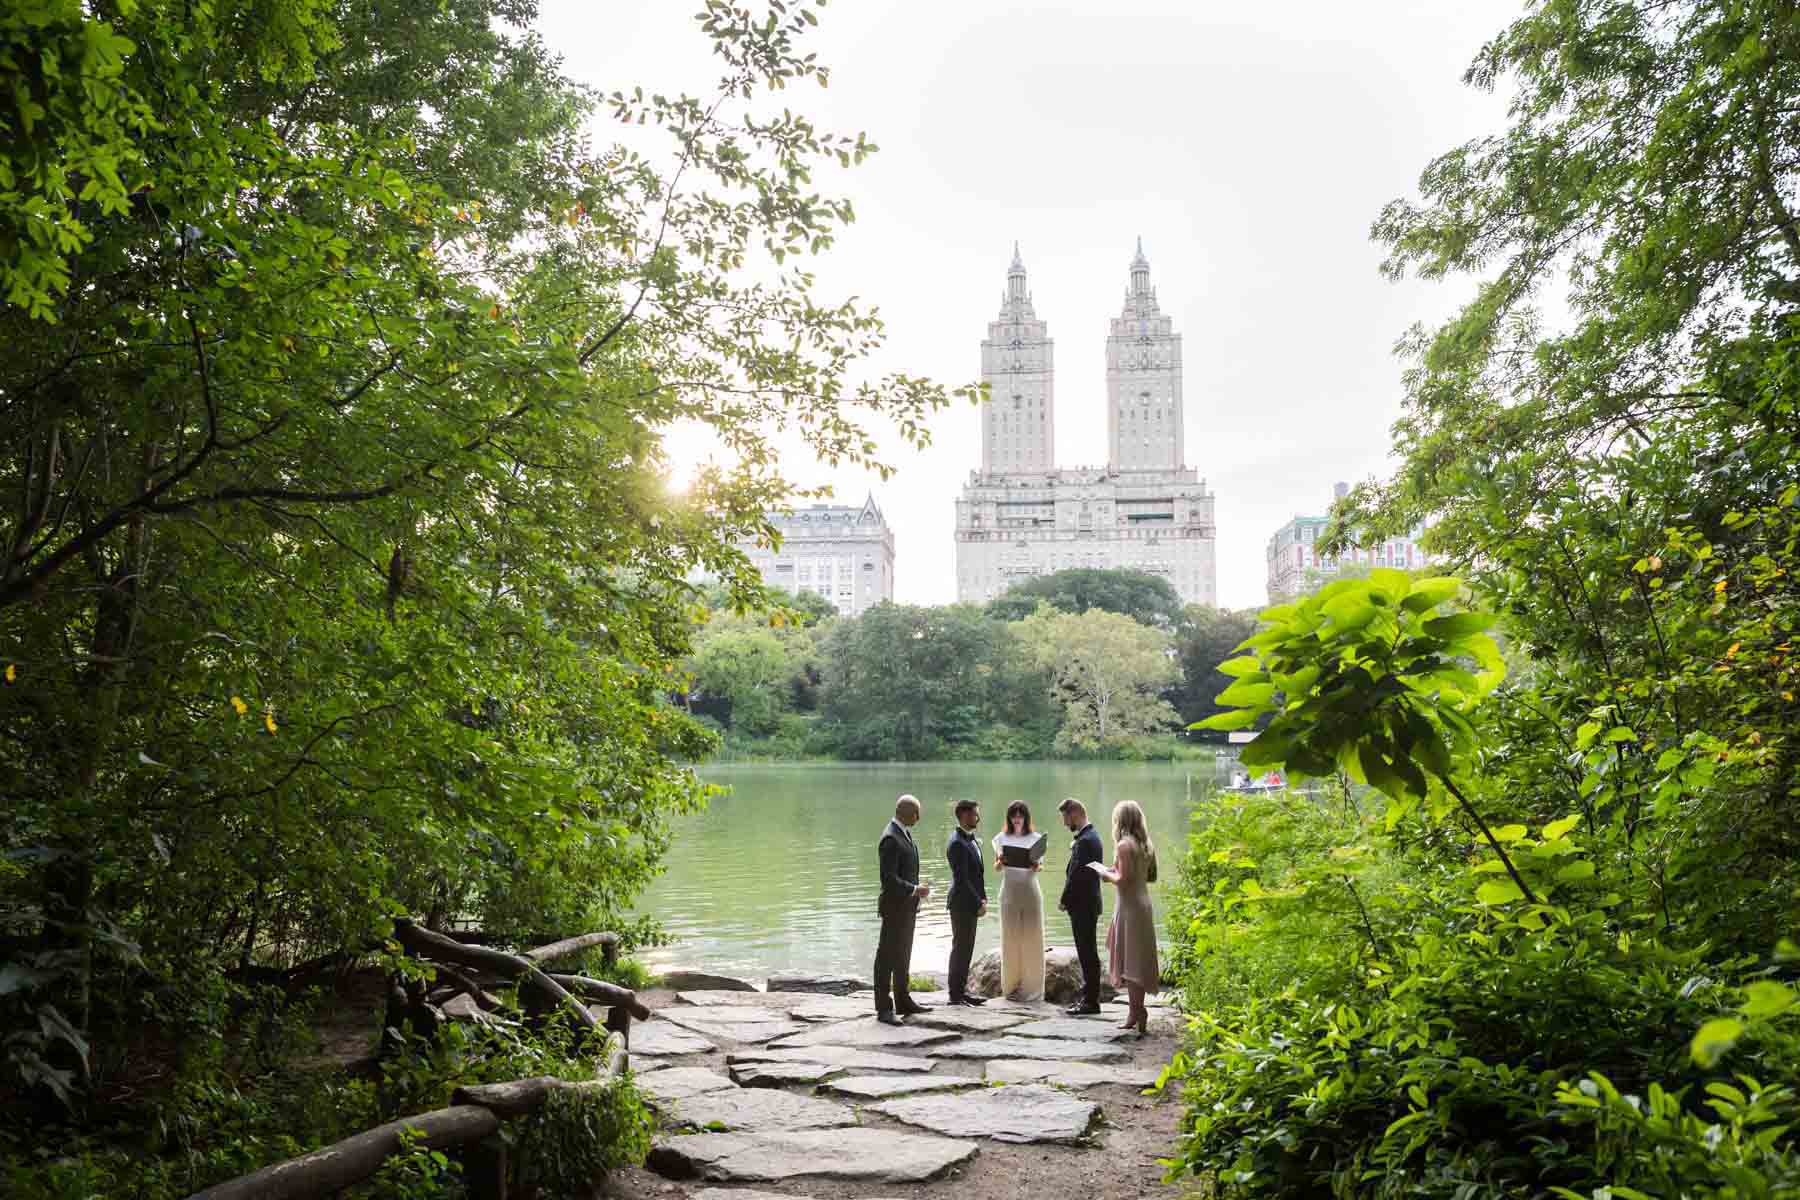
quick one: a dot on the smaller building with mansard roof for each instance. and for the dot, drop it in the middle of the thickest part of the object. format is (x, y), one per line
(843, 552)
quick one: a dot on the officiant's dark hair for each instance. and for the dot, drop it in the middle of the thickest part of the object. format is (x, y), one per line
(963, 806)
(1017, 808)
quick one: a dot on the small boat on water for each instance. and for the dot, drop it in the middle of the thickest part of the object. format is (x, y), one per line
(1241, 782)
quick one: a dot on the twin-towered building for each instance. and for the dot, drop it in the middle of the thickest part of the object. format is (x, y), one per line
(1021, 515)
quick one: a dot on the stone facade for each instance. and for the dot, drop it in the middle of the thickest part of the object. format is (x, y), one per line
(1020, 515)
(843, 552)
(1295, 568)
(1018, 420)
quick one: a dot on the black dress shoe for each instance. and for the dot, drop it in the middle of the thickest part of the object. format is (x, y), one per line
(1082, 1010)
(972, 1001)
(911, 1010)
(888, 1018)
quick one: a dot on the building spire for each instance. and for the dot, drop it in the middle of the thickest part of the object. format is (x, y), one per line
(1140, 271)
(1018, 264)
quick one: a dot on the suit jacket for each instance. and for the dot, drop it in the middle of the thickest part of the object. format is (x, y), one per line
(899, 858)
(968, 888)
(1081, 885)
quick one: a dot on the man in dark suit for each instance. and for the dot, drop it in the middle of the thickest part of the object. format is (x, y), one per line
(901, 892)
(967, 900)
(1081, 900)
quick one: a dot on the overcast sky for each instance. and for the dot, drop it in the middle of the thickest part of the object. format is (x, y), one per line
(1250, 145)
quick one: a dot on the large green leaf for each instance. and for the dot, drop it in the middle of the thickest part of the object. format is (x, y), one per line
(1459, 625)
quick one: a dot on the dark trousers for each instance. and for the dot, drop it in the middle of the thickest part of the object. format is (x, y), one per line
(962, 949)
(893, 955)
(1083, 925)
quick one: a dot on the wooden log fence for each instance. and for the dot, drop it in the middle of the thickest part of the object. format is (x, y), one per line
(475, 1114)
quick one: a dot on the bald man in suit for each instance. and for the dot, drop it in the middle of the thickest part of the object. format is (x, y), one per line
(901, 892)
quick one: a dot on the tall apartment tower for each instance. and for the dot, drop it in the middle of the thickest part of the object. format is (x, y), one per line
(1144, 422)
(1020, 515)
(1018, 419)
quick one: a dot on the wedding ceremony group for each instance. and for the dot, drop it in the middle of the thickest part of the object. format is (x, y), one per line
(1018, 850)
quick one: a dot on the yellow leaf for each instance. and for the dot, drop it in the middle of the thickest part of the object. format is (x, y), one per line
(269, 722)
(1732, 653)
(237, 702)
(12, 673)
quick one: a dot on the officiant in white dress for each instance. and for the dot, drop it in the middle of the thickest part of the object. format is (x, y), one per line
(1021, 907)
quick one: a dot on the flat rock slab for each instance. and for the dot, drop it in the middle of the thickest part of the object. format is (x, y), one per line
(970, 1020)
(1027, 1112)
(781, 1074)
(823, 985)
(735, 1026)
(830, 1008)
(847, 1057)
(704, 998)
(1071, 1074)
(866, 1031)
(758, 1110)
(661, 1037)
(739, 1194)
(678, 1083)
(696, 980)
(1075, 1029)
(867, 1155)
(1046, 1049)
(882, 1087)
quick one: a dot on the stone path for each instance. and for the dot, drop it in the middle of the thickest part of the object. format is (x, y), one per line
(803, 1093)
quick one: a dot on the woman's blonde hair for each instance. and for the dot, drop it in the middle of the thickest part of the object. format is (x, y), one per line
(1128, 822)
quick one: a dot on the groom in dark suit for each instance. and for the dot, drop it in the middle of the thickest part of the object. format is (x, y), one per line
(967, 901)
(1081, 900)
(901, 892)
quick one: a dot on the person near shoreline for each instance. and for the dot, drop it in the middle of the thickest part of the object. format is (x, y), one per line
(1021, 916)
(1081, 900)
(1131, 941)
(967, 900)
(898, 906)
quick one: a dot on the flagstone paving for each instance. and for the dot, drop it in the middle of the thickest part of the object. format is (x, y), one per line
(881, 1087)
(1043, 1048)
(864, 1031)
(1071, 1074)
(876, 1155)
(735, 1109)
(675, 1083)
(816, 1093)
(1026, 1112)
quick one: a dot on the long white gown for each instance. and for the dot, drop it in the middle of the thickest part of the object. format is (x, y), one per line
(1021, 933)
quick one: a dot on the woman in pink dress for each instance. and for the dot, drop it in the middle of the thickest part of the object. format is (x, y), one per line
(1131, 940)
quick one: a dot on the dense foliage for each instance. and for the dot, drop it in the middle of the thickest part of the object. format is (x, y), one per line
(340, 573)
(904, 682)
(1552, 953)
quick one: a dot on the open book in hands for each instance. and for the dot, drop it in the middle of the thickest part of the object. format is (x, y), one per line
(1020, 850)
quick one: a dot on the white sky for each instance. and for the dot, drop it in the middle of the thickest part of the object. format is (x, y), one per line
(1250, 145)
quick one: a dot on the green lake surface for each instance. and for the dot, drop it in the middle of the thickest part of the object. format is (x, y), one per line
(780, 874)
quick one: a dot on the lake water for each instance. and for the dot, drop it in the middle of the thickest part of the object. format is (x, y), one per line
(781, 875)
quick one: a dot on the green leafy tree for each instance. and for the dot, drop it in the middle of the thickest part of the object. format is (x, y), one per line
(1145, 598)
(903, 682)
(339, 574)
(1594, 917)
(1207, 637)
(1106, 672)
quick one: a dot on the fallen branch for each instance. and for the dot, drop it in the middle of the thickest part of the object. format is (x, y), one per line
(608, 943)
(610, 994)
(533, 982)
(456, 982)
(356, 1158)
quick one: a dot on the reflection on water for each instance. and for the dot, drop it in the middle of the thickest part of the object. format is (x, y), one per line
(780, 874)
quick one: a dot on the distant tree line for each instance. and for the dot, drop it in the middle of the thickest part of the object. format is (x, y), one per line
(1078, 663)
